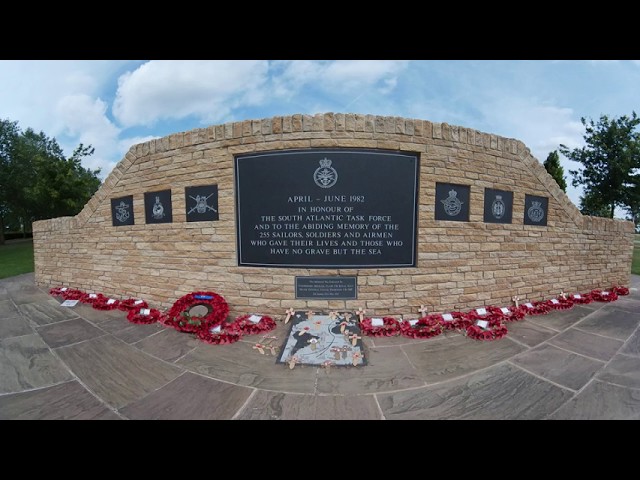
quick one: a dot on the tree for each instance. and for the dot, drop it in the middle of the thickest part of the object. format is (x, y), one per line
(8, 135)
(552, 164)
(37, 181)
(610, 161)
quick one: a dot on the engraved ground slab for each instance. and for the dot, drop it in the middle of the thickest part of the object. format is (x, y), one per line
(501, 393)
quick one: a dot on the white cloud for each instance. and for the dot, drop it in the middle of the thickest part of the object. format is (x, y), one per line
(171, 89)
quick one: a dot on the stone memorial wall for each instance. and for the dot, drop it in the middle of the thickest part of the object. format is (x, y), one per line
(332, 211)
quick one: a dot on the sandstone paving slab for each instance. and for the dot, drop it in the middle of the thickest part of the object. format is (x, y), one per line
(567, 369)
(499, 393)
(44, 313)
(190, 397)
(14, 327)
(240, 364)
(601, 401)
(115, 371)
(610, 322)
(563, 319)
(622, 370)
(447, 358)
(26, 363)
(284, 406)
(588, 344)
(529, 333)
(67, 401)
(68, 332)
(168, 344)
(387, 369)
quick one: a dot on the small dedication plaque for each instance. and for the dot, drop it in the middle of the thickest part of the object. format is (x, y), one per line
(326, 288)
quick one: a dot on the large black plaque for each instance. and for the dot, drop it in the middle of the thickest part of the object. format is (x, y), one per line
(325, 208)
(498, 206)
(535, 210)
(326, 288)
(202, 203)
(157, 207)
(122, 211)
(452, 202)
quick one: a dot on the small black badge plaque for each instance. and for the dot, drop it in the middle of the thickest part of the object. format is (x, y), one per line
(122, 211)
(535, 210)
(157, 207)
(452, 202)
(326, 288)
(498, 206)
(202, 203)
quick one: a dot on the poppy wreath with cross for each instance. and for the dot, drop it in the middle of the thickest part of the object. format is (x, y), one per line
(104, 303)
(425, 327)
(130, 304)
(560, 303)
(460, 321)
(583, 298)
(390, 327)
(179, 318)
(539, 308)
(228, 334)
(137, 316)
(514, 314)
(604, 295)
(620, 290)
(91, 298)
(248, 327)
(495, 330)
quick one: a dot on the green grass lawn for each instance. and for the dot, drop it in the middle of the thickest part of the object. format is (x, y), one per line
(16, 258)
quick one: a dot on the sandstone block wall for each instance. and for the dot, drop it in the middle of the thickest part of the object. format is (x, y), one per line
(461, 265)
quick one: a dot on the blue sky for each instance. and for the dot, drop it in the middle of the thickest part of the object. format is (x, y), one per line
(113, 104)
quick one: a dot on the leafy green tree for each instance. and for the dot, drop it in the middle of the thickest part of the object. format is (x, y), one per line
(9, 133)
(610, 162)
(41, 183)
(552, 164)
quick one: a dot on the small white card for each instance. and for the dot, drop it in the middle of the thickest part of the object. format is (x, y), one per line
(64, 289)
(577, 295)
(481, 311)
(69, 303)
(93, 295)
(605, 293)
(255, 318)
(554, 301)
(504, 310)
(137, 302)
(217, 329)
(447, 317)
(482, 323)
(528, 305)
(145, 311)
(413, 322)
(377, 322)
(111, 301)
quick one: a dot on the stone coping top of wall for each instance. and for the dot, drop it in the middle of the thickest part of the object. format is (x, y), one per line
(242, 136)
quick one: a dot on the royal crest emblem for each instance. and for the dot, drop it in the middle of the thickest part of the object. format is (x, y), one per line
(498, 207)
(535, 212)
(158, 209)
(122, 212)
(325, 175)
(201, 204)
(452, 204)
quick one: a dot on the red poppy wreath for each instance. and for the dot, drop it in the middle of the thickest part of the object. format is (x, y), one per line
(179, 317)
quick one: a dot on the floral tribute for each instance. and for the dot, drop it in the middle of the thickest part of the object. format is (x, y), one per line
(389, 327)
(179, 318)
(424, 327)
(254, 324)
(144, 316)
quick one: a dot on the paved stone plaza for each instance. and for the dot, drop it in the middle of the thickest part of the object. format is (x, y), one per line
(81, 363)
